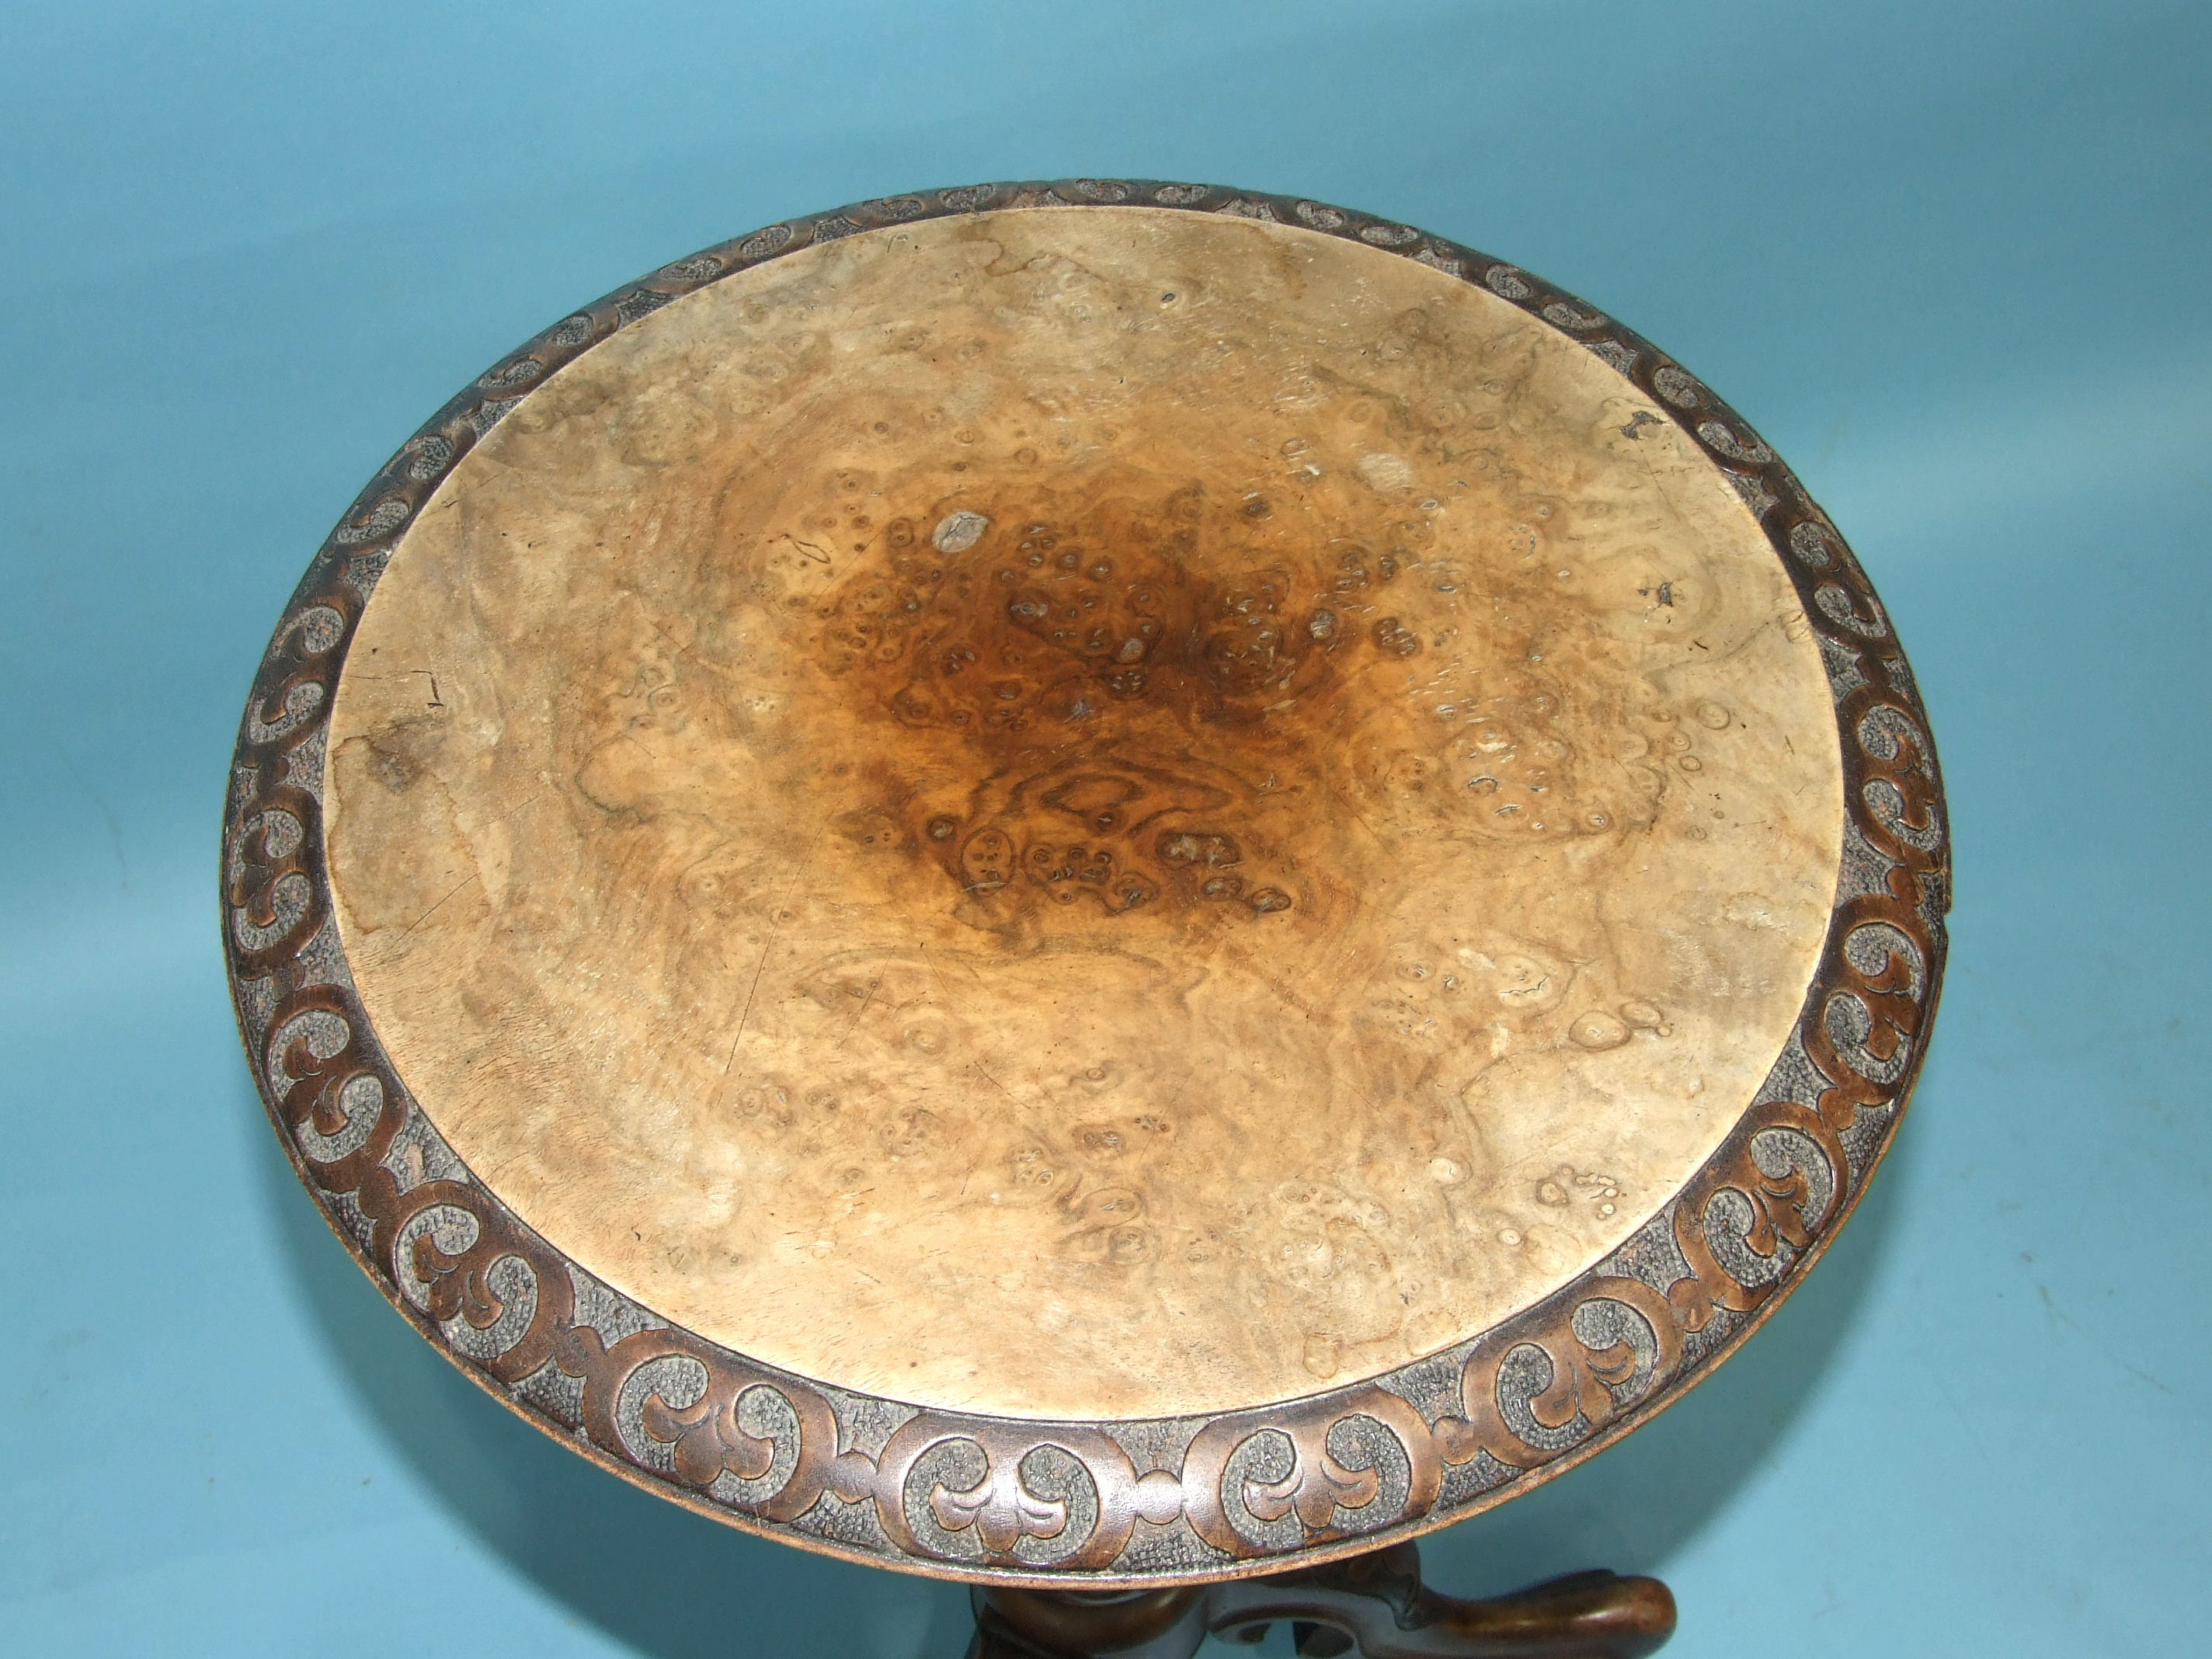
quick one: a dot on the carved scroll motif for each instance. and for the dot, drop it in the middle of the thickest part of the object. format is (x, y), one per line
(1257, 1475)
(1537, 1387)
(1006, 1494)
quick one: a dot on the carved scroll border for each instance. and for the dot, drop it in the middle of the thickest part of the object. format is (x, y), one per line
(1335, 1473)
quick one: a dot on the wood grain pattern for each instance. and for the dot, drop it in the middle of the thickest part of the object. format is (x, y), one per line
(1084, 815)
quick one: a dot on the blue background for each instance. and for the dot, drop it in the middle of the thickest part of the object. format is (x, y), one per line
(1950, 258)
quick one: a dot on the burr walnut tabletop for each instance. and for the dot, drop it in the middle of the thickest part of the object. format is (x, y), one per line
(1082, 816)
(1196, 818)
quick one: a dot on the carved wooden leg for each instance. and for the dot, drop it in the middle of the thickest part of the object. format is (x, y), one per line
(1378, 1604)
(1021, 1624)
(1375, 1603)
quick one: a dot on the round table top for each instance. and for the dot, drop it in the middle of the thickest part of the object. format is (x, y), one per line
(1114, 892)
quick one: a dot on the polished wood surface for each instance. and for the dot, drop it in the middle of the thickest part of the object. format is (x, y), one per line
(1084, 815)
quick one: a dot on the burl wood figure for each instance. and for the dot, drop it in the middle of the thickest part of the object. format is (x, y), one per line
(1077, 898)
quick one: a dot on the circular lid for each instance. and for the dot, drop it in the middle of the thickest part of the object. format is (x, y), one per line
(1118, 892)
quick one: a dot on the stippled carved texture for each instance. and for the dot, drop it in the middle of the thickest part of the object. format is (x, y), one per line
(1336, 1471)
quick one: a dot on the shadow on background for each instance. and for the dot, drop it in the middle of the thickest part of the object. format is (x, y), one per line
(672, 1585)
